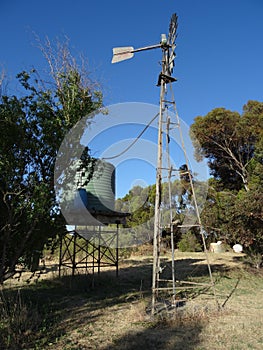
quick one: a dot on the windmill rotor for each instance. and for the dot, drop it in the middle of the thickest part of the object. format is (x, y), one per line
(167, 44)
(171, 43)
(172, 29)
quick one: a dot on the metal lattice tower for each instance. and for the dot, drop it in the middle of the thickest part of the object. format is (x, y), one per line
(166, 122)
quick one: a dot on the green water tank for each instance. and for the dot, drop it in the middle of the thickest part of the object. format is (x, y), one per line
(98, 196)
(101, 188)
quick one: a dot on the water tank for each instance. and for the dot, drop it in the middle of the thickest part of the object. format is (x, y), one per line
(74, 202)
(80, 199)
(101, 188)
(81, 202)
(73, 197)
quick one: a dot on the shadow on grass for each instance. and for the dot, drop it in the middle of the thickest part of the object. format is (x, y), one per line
(161, 336)
(66, 303)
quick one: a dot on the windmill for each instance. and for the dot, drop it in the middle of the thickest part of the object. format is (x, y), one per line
(168, 46)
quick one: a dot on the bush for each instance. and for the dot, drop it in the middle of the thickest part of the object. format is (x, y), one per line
(189, 243)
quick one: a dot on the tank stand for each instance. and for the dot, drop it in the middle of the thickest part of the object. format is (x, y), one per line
(88, 250)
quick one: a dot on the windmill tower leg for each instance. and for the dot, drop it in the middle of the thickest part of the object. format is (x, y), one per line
(157, 218)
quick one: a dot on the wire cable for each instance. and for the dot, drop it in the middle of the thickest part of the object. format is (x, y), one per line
(134, 141)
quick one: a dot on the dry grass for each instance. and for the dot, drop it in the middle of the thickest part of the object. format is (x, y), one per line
(110, 313)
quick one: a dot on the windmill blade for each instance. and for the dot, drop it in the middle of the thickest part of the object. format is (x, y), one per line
(172, 56)
(171, 42)
(122, 53)
(172, 29)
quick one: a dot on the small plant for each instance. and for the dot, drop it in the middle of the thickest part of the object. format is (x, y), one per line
(254, 259)
(189, 243)
(18, 320)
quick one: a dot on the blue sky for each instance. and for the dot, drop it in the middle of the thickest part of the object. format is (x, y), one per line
(219, 48)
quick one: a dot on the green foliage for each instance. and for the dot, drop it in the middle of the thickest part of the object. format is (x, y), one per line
(189, 243)
(33, 127)
(229, 140)
(234, 146)
(139, 202)
(235, 217)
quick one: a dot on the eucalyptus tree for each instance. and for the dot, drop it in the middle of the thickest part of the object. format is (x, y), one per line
(233, 145)
(229, 141)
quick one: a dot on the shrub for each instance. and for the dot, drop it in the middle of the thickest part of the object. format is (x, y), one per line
(189, 243)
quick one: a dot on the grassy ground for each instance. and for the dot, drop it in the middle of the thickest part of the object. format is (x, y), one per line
(106, 312)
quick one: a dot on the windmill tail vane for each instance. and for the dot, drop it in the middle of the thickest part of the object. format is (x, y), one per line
(127, 52)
